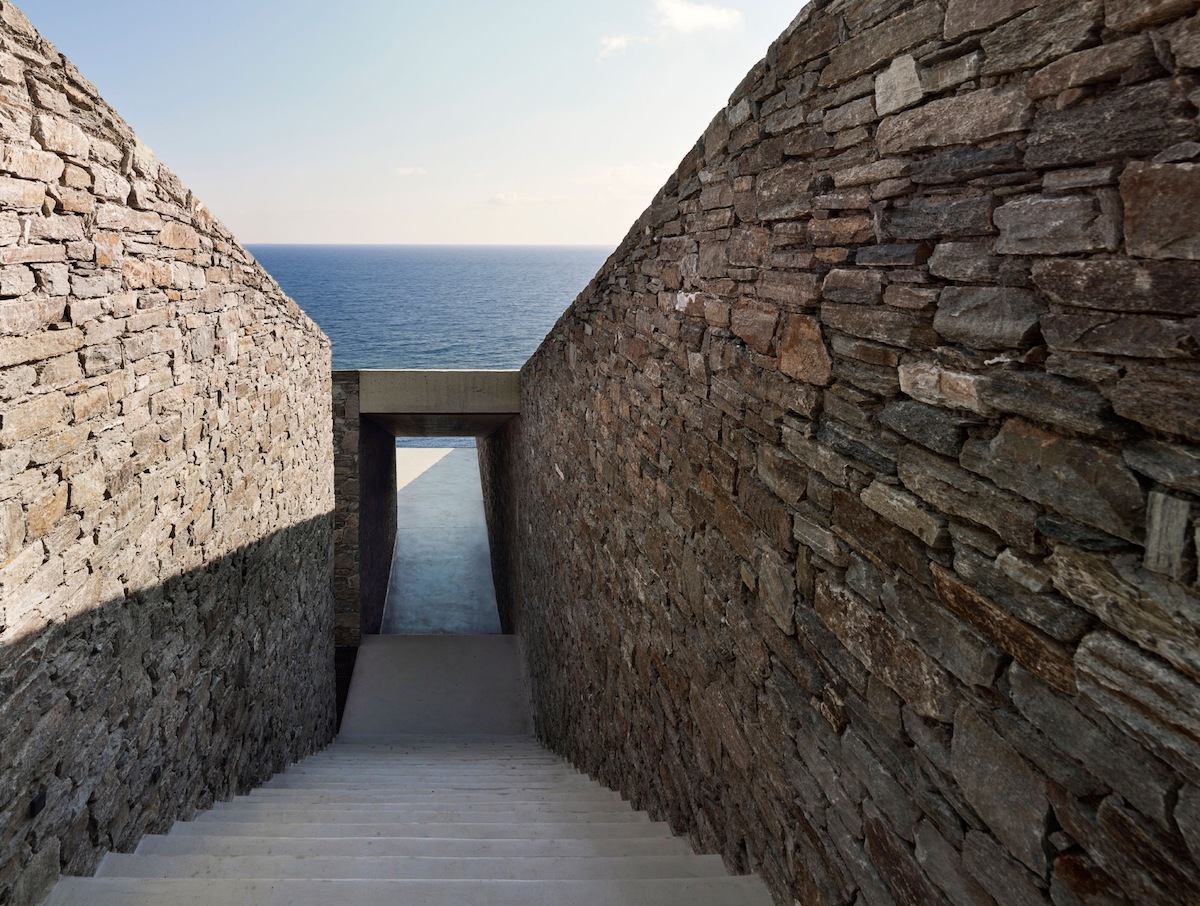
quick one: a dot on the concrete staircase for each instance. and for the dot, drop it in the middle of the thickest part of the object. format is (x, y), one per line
(436, 818)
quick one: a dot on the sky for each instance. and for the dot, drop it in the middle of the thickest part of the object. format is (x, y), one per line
(540, 122)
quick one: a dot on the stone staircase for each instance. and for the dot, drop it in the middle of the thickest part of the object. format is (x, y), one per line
(392, 818)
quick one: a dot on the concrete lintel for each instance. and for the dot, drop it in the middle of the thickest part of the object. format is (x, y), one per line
(394, 392)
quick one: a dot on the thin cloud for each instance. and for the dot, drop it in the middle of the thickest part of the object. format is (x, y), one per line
(512, 199)
(686, 17)
(411, 171)
(615, 44)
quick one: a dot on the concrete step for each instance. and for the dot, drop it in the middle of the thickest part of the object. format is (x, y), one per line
(284, 782)
(301, 796)
(555, 868)
(398, 847)
(544, 830)
(220, 892)
(380, 815)
(426, 811)
(400, 773)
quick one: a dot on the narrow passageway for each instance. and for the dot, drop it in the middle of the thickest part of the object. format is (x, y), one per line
(441, 577)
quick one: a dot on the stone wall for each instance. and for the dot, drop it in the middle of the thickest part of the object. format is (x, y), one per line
(165, 491)
(365, 514)
(852, 510)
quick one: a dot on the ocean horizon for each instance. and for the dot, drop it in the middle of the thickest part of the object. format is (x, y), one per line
(432, 306)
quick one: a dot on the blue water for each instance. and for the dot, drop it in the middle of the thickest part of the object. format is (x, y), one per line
(407, 306)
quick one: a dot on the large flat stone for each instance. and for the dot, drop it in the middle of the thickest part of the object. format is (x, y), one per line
(1160, 219)
(1003, 789)
(1114, 127)
(960, 120)
(1078, 479)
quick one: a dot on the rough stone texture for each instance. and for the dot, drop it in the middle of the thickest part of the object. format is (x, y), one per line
(889, 589)
(165, 491)
(1160, 220)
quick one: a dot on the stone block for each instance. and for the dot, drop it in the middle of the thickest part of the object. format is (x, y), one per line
(951, 489)
(899, 86)
(1002, 788)
(841, 231)
(901, 508)
(1050, 400)
(1164, 398)
(942, 387)
(884, 652)
(1037, 652)
(1120, 334)
(1047, 32)
(891, 327)
(882, 43)
(929, 426)
(1107, 62)
(943, 865)
(1078, 479)
(1184, 38)
(965, 119)
(777, 590)
(793, 291)
(1119, 761)
(28, 163)
(1054, 226)
(966, 16)
(1174, 465)
(1157, 614)
(802, 352)
(21, 194)
(893, 255)
(1114, 126)
(1120, 284)
(874, 172)
(937, 218)
(985, 317)
(783, 192)
(894, 861)
(973, 262)
(55, 133)
(958, 165)
(1160, 220)
(1145, 697)
(999, 874)
(849, 115)
(755, 322)
(1131, 15)
(853, 286)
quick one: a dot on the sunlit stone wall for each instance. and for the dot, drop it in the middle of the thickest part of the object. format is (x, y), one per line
(166, 489)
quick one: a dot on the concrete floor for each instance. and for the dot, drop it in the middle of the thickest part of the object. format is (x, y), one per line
(436, 685)
(441, 580)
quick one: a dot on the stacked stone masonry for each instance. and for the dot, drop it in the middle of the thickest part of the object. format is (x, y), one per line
(852, 512)
(166, 490)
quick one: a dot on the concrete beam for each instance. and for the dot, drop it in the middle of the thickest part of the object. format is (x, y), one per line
(439, 403)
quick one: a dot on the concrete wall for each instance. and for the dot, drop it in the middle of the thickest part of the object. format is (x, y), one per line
(852, 510)
(165, 491)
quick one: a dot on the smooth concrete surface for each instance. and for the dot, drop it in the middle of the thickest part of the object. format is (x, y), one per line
(441, 576)
(430, 403)
(435, 685)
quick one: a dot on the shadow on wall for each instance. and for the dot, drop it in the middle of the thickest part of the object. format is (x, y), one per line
(142, 710)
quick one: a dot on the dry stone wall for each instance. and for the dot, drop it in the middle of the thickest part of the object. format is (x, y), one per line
(166, 491)
(851, 516)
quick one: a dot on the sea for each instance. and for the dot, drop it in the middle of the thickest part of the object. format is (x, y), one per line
(432, 306)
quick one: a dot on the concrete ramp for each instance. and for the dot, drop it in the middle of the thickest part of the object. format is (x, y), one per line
(436, 686)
